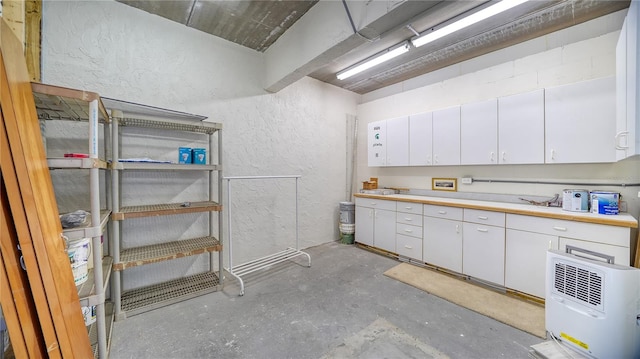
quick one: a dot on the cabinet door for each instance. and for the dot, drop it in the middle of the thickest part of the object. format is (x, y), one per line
(446, 136)
(580, 122)
(377, 144)
(622, 134)
(384, 232)
(442, 243)
(483, 252)
(479, 133)
(398, 142)
(526, 260)
(521, 128)
(420, 139)
(364, 225)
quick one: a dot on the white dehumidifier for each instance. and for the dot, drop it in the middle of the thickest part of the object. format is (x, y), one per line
(593, 306)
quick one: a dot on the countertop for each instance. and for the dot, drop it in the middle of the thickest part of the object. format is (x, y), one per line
(621, 220)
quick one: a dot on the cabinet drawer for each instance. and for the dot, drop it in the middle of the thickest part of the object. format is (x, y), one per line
(443, 212)
(408, 230)
(614, 235)
(409, 246)
(489, 218)
(408, 218)
(408, 207)
(376, 203)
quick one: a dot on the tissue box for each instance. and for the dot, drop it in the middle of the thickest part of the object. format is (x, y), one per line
(184, 155)
(199, 156)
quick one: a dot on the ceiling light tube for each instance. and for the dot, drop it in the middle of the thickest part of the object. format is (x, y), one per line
(377, 60)
(483, 14)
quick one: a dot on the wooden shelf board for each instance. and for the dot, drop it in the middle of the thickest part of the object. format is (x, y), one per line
(154, 253)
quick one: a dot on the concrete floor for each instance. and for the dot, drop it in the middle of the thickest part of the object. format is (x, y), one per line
(341, 307)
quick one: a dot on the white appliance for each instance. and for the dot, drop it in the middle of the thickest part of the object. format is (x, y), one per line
(593, 306)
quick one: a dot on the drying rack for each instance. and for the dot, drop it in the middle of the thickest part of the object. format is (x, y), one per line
(264, 262)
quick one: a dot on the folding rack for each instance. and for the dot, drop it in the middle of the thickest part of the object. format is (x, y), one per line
(263, 262)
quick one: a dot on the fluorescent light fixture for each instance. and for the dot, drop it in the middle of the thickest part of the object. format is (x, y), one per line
(483, 14)
(386, 56)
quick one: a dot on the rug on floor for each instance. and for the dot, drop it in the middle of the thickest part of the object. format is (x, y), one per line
(528, 317)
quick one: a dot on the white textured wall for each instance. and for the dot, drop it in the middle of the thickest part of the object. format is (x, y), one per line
(579, 53)
(124, 53)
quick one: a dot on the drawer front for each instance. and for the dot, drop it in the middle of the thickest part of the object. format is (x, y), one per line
(408, 230)
(453, 213)
(409, 247)
(408, 207)
(408, 218)
(376, 203)
(489, 218)
(600, 233)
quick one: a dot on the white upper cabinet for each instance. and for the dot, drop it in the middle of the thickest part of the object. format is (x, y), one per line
(627, 91)
(521, 128)
(446, 136)
(376, 143)
(580, 125)
(479, 133)
(398, 142)
(420, 139)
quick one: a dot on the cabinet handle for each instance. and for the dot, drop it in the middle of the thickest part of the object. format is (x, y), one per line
(435, 158)
(619, 136)
(409, 208)
(442, 212)
(408, 230)
(483, 217)
(504, 156)
(564, 229)
(457, 228)
(408, 246)
(373, 203)
(553, 154)
(491, 156)
(484, 230)
(428, 160)
(407, 219)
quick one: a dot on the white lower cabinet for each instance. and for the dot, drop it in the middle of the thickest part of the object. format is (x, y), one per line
(376, 223)
(442, 237)
(483, 245)
(525, 261)
(409, 230)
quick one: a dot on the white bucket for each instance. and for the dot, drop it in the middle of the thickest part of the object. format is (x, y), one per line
(78, 252)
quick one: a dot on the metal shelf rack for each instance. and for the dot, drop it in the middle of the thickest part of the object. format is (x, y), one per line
(269, 260)
(60, 103)
(163, 123)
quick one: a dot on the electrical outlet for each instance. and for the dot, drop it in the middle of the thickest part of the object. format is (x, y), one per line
(467, 180)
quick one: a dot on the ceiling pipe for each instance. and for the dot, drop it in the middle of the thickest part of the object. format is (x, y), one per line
(346, 8)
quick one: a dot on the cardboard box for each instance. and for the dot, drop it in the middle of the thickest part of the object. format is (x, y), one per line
(199, 156)
(184, 155)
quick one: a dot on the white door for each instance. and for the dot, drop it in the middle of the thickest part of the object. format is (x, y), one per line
(483, 252)
(398, 142)
(622, 133)
(420, 139)
(442, 243)
(526, 261)
(385, 230)
(479, 133)
(521, 128)
(376, 142)
(580, 122)
(446, 136)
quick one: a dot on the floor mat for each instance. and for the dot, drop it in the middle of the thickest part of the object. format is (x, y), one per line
(517, 313)
(382, 339)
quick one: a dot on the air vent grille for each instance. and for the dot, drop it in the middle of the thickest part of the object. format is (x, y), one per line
(579, 283)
